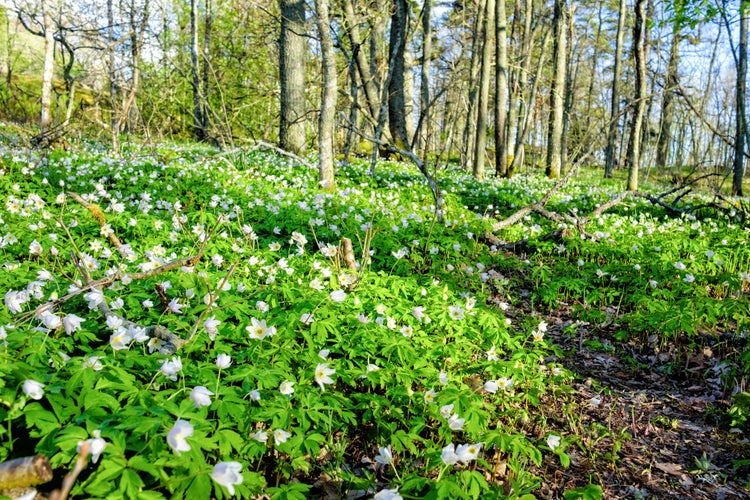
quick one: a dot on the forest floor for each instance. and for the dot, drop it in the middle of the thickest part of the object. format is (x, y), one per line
(646, 421)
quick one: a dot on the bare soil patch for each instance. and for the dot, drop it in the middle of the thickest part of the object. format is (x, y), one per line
(647, 423)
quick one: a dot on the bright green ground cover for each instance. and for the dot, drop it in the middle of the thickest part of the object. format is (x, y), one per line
(400, 375)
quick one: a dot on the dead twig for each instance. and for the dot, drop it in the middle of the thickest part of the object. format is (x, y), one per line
(407, 153)
(105, 282)
(170, 341)
(264, 145)
(99, 217)
(70, 479)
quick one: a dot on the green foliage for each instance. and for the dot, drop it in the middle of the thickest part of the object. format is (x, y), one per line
(740, 410)
(295, 367)
(589, 492)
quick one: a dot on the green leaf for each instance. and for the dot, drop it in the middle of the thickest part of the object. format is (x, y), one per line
(292, 491)
(229, 440)
(130, 483)
(200, 487)
(44, 420)
(589, 492)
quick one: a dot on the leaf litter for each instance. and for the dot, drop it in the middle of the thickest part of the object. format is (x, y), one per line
(644, 425)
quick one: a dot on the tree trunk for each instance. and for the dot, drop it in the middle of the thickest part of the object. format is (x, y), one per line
(351, 68)
(424, 82)
(112, 70)
(396, 94)
(136, 43)
(705, 153)
(650, 9)
(667, 104)
(358, 54)
(639, 98)
(8, 50)
(554, 141)
(45, 122)
(520, 96)
(470, 131)
(487, 33)
(614, 113)
(501, 90)
(327, 116)
(571, 79)
(741, 121)
(206, 67)
(595, 59)
(292, 57)
(198, 131)
(409, 95)
(524, 122)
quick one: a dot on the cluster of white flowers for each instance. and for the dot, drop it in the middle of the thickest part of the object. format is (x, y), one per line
(455, 423)
(463, 453)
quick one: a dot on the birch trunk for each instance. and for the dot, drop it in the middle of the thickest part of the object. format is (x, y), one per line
(45, 122)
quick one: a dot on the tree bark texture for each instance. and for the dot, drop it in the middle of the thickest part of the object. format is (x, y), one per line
(45, 121)
(327, 116)
(501, 89)
(360, 59)
(614, 110)
(470, 131)
(205, 87)
(740, 118)
(554, 137)
(112, 70)
(198, 130)
(667, 103)
(526, 117)
(639, 97)
(396, 83)
(26, 471)
(486, 37)
(423, 131)
(292, 57)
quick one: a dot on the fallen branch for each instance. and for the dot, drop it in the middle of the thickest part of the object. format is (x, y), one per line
(24, 472)
(538, 207)
(522, 246)
(282, 152)
(106, 282)
(170, 341)
(99, 217)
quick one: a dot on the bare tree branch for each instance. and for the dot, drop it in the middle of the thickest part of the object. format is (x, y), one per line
(431, 182)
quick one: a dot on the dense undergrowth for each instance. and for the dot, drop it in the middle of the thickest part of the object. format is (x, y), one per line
(301, 376)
